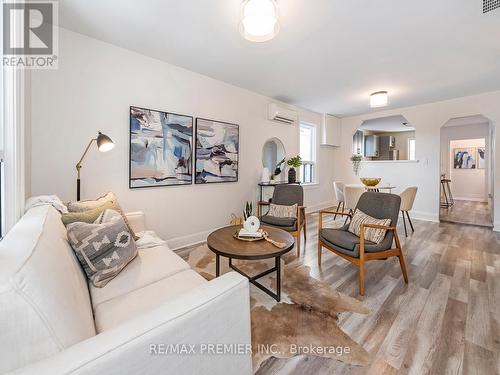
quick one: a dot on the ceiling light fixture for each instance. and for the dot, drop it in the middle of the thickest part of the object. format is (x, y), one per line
(379, 99)
(259, 20)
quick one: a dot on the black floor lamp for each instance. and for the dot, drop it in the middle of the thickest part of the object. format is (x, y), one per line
(104, 144)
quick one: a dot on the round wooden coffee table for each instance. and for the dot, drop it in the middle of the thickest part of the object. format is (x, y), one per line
(223, 243)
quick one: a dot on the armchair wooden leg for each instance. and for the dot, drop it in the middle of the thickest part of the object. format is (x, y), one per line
(362, 277)
(298, 243)
(401, 257)
(403, 265)
(320, 245)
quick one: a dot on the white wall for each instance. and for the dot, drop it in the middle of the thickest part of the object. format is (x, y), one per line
(92, 90)
(467, 184)
(427, 120)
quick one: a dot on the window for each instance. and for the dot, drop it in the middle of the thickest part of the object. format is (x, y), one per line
(411, 149)
(308, 153)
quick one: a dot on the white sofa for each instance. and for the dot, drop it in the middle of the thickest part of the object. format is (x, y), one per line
(52, 322)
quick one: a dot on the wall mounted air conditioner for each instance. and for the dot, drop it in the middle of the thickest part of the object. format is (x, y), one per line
(282, 114)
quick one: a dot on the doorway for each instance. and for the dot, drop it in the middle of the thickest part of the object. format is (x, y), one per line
(466, 192)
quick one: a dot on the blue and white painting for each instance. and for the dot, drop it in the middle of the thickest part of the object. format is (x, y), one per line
(161, 148)
(464, 158)
(217, 148)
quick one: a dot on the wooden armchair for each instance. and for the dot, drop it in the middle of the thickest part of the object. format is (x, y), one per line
(358, 250)
(286, 195)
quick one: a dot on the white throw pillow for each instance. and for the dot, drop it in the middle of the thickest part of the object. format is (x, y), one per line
(278, 210)
(371, 234)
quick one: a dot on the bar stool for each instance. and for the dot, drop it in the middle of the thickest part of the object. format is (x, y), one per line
(448, 196)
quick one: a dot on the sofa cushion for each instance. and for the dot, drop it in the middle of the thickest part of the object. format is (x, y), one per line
(104, 248)
(118, 310)
(148, 267)
(44, 298)
(92, 204)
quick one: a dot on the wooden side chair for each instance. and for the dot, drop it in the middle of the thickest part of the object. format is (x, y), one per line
(358, 250)
(287, 195)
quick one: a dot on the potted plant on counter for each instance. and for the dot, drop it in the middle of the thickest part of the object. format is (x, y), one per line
(293, 163)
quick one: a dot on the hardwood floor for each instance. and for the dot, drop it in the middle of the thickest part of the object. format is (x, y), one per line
(467, 212)
(445, 321)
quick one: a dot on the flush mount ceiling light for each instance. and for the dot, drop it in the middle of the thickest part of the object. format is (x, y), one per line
(379, 99)
(259, 20)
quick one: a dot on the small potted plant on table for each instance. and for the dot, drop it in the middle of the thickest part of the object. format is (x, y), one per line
(293, 163)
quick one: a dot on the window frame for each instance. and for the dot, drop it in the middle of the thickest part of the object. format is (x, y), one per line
(312, 164)
(410, 140)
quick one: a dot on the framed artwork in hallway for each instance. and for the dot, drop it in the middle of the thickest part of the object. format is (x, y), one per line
(161, 148)
(481, 163)
(465, 158)
(217, 151)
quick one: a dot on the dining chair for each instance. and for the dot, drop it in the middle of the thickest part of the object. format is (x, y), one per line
(338, 187)
(287, 195)
(407, 199)
(358, 250)
(352, 193)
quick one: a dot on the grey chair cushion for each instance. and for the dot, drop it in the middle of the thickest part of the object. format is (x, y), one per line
(285, 223)
(288, 194)
(347, 243)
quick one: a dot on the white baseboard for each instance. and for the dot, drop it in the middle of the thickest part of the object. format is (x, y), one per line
(471, 199)
(319, 206)
(200, 237)
(425, 216)
(189, 240)
(496, 226)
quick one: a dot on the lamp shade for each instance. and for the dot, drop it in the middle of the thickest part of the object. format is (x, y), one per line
(104, 143)
(379, 99)
(259, 20)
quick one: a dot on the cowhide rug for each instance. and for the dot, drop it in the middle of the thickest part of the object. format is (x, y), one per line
(306, 316)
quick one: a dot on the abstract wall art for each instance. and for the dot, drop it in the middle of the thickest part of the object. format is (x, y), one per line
(481, 163)
(217, 150)
(161, 148)
(464, 158)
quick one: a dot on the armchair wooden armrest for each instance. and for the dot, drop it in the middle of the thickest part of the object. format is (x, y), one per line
(328, 212)
(378, 226)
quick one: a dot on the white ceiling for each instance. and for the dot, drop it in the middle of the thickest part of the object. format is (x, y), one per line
(387, 124)
(330, 54)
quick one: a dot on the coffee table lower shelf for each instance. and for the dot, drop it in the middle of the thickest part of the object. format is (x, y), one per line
(253, 279)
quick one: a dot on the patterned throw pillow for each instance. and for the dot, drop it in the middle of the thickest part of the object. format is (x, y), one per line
(88, 216)
(278, 210)
(103, 248)
(101, 204)
(371, 234)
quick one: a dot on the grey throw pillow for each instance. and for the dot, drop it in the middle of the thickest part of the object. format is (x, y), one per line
(103, 248)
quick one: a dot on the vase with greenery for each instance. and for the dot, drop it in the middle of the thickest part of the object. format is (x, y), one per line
(356, 163)
(248, 211)
(293, 163)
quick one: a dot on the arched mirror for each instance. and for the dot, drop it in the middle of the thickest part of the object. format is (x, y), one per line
(273, 154)
(386, 138)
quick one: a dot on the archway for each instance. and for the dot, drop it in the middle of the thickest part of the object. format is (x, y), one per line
(467, 171)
